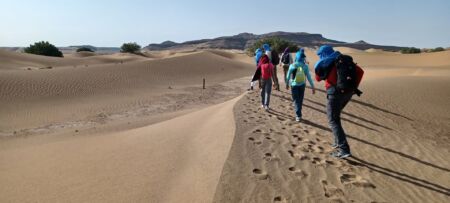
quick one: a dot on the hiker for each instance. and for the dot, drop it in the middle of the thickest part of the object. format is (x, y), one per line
(266, 81)
(286, 61)
(342, 77)
(296, 76)
(257, 75)
(275, 61)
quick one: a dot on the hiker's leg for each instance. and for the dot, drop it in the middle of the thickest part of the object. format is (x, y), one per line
(263, 92)
(275, 78)
(268, 88)
(345, 99)
(301, 95)
(334, 120)
(295, 97)
(285, 71)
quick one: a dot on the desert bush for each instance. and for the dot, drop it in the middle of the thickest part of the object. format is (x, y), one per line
(85, 49)
(437, 49)
(131, 47)
(410, 50)
(277, 44)
(43, 48)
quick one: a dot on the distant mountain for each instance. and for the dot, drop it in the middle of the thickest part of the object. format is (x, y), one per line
(244, 40)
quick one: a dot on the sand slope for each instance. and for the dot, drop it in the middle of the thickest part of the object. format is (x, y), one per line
(174, 161)
(398, 131)
(44, 96)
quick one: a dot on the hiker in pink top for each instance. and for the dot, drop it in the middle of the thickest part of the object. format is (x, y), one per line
(266, 80)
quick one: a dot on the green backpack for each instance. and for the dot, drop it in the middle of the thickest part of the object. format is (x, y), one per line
(299, 73)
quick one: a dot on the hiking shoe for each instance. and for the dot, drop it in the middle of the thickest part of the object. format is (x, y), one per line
(298, 119)
(339, 154)
(266, 108)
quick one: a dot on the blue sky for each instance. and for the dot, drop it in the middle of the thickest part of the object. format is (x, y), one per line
(417, 23)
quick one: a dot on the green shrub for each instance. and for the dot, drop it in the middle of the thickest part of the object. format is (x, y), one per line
(437, 49)
(275, 43)
(131, 47)
(43, 48)
(85, 49)
(410, 50)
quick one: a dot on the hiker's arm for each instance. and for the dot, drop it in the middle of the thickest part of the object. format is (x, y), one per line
(311, 82)
(273, 73)
(288, 75)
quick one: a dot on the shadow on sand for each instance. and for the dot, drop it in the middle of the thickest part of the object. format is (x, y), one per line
(370, 106)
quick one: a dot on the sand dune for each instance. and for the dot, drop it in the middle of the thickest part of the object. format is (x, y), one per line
(127, 128)
(22, 61)
(38, 97)
(174, 161)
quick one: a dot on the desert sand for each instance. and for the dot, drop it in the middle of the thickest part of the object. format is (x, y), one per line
(130, 128)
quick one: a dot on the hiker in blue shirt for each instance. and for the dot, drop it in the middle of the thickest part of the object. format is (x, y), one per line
(296, 76)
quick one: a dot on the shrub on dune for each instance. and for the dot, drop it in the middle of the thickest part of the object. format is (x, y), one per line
(437, 49)
(277, 44)
(410, 50)
(131, 47)
(43, 48)
(85, 49)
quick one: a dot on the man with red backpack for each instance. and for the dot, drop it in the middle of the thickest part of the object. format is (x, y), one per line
(342, 78)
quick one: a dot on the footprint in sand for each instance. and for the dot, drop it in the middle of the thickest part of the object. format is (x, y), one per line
(355, 180)
(297, 172)
(316, 160)
(257, 131)
(318, 149)
(279, 199)
(303, 157)
(268, 156)
(280, 118)
(252, 139)
(260, 174)
(270, 139)
(292, 154)
(332, 192)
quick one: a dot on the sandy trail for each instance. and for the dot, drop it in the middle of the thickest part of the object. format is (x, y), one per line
(398, 131)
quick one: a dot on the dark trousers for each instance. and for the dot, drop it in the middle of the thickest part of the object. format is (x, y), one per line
(337, 102)
(285, 71)
(275, 78)
(298, 93)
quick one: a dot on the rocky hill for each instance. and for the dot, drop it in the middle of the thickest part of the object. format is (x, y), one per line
(244, 40)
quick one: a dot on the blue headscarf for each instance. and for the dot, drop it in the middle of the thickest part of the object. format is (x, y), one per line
(258, 54)
(300, 56)
(327, 57)
(266, 47)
